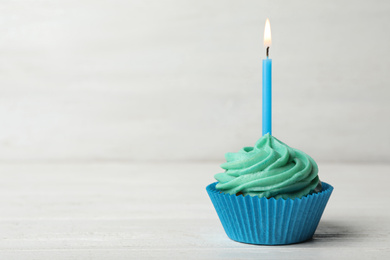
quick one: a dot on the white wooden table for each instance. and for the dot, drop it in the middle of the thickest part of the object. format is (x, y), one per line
(162, 211)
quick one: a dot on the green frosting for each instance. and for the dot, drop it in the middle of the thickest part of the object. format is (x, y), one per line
(269, 169)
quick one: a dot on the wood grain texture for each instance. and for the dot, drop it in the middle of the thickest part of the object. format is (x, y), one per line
(161, 211)
(134, 80)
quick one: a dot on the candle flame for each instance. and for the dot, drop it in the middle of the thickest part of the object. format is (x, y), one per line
(267, 34)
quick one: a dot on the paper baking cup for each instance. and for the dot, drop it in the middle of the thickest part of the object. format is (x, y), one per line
(272, 221)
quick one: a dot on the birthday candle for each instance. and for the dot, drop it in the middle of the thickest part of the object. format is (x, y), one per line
(267, 83)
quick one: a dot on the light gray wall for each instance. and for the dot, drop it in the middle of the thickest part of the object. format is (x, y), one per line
(181, 80)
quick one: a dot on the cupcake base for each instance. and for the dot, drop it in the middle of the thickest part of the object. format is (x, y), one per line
(263, 221)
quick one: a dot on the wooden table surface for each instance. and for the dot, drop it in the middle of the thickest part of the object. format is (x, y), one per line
(161, 211)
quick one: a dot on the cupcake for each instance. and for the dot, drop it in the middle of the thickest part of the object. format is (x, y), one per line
(269, 194)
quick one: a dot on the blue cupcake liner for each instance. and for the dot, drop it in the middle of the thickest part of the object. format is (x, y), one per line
(263, 221)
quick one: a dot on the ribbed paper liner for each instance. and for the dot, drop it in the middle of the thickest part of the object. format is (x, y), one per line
(272, 221)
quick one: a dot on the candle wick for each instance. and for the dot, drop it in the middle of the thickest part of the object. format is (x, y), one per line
(267, 51)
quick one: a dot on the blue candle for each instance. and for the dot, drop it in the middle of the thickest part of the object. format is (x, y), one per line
(267, 83)
(267, 96)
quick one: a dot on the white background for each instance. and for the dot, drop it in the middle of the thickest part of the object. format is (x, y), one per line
(181, 80)
(115, 115)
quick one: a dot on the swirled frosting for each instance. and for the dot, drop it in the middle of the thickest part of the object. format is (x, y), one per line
(269, 169)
